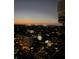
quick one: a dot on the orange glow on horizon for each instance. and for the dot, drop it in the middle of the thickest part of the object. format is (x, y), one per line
(39, 22)
(23, 22)
(29, 22)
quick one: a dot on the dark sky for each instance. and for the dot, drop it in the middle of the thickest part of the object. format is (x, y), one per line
(36, 10)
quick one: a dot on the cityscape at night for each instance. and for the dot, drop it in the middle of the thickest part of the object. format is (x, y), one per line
(39, 29)
(39, 42)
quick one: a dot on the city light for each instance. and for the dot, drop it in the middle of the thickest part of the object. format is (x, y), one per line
(39, 37)
(46, 41)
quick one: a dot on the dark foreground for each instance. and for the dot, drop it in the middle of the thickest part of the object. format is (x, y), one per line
(39, 42)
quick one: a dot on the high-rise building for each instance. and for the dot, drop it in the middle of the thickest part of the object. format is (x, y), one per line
(61, 11)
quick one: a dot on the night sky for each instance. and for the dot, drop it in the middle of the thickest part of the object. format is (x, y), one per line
(35, 12)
